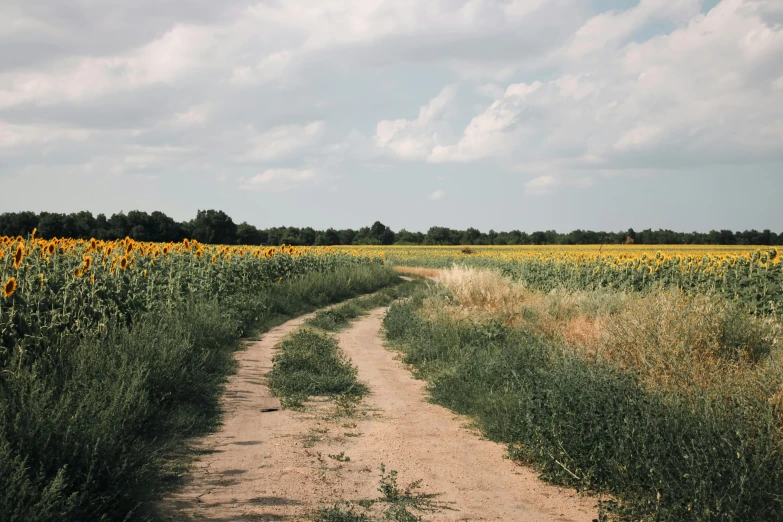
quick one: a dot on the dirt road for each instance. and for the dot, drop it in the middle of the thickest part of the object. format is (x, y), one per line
(282, 465)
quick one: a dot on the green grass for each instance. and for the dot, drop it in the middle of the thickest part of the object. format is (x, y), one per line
(88, 431)
(339, 317)
(593, 426)
(310, 363)
(395, 503)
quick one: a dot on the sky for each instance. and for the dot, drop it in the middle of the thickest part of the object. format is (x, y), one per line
(495, 114)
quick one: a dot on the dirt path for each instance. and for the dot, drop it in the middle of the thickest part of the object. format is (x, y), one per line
(276, 466)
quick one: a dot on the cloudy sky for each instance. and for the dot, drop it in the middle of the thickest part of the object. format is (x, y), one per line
(529, 114)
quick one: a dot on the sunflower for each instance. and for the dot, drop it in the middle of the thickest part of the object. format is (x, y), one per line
(50, 248)
(166, 250)
(9, 287)
(92, 279)
(18, 257)
(32, 236)
(93, 244)
(199, 253)
(132, 262)
(87, 263)
(124, 262)
(186, 243)
(78, 273)
(144, 274)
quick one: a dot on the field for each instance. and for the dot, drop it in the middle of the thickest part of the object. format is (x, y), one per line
(750, 274)
(650, 375)
(112, 353)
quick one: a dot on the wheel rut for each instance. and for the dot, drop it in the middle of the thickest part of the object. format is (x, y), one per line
(277, 465)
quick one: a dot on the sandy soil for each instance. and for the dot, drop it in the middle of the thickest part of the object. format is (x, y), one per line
(276, 465)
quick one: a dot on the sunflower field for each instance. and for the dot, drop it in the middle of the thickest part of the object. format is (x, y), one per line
(751, 275)
(113, 353)
(61, 286)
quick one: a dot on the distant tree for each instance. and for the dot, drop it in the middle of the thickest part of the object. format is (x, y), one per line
(213, 227)
(250, 235)
(381, 233)
(327, 237)
(347, 236)
(538, 238)
(17, 223)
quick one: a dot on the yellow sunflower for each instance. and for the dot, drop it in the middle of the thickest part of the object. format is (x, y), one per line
(18, 257)
(87, 263)
(124, 263)
(9, 287)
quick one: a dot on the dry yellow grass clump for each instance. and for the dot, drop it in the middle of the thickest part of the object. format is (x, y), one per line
(668, 338)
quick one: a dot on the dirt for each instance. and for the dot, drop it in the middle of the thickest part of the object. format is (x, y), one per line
(277, 465)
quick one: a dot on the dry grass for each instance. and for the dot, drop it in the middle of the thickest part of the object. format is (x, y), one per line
(668, 338)
(430, 273)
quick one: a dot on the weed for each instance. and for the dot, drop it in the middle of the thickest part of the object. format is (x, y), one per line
(668, 453)
(310, 363)
(340, 513)
(340, 457)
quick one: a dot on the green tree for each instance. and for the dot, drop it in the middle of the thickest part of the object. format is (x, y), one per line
(213, 227)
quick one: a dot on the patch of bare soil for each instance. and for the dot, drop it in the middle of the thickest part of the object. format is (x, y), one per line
(283, 465)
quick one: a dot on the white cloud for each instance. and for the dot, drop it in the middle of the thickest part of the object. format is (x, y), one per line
(180, 51)
(547, 184)
(195, 116)
(270, 68)
(280, 180)
(546, 89)
(282, 141)
(494, 131)
(615, 27)
(17, 136)
(541, 185)
(705, 93)
(414, 139)
(438, 194)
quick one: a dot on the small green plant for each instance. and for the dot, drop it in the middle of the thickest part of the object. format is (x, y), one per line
(340, 457)
(343, 512)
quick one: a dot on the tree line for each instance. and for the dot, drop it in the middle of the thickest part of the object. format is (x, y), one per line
(217, 227)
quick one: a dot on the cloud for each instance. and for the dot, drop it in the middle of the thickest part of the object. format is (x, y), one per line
(438, 194)
(414, 139)
(194, 116)
(282, 141)
(493, 131)
(541, 89)
(549, 183)
(165, 60)
(280, 180)
(19, 136)
(541, 185)
(705, 93)
(614, 27)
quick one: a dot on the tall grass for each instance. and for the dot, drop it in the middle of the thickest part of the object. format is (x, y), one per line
(87, 432)
(591, 411)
